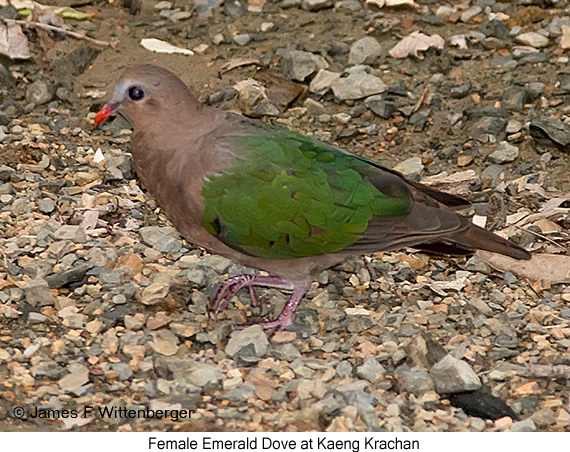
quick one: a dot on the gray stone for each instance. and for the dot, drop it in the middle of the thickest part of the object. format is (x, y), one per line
(480, 305)
(344, 369)
(6, 173)
(241, 394)
(544, 417)
(298, 65)
(415, 381)
(527, 425)
(37, 293)
(46, 206)
(533, 39)
(488, 125)
(322, 81)
(470, 13)
(70, 232)
(370, 369)
(504, 153)
(495, 28)
(253, 99)
(383, 108)
(316, 5)
(19, 206)
(36, 317)
(364, 51)
(514, 98)
(356, 85)
(286, 352)
(75, 274)
(453, 375)
(38, 92)
(248, 343)
(203, 374)
(411, 167)
(461, 91)
(490, 176)
(242, 39)
(163, 239)
(77, 377)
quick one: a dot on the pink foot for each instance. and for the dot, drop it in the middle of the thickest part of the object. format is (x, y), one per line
(232, 285)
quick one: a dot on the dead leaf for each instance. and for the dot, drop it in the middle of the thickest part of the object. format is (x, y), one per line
(238, 62)
(456, 184)
(414, 43)
(496, 213)
(550, 267)
(392, 3)
(281, 91)
(13, 41)
(158, 46)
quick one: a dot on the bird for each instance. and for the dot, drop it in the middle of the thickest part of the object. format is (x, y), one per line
(274, 199)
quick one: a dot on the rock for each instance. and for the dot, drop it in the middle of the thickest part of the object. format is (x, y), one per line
(364, 51)
(344, 369)
(356, 85)
(253, 100)
(544, 417)
(453, 375)
(165, 342)
(527, 425)
(533, 39)
(383, 108)
(411, 167)
(70, 232)
(62, 279)
(203, 374)
(514, 98)
(416, 381)
(491, 175)
(242, 39)
(370, 370)
(461, 91)
(316, 5)
(470, 13)
(298, 65)
(163, 239)
(157, 291)
(37, 293)
(489, 125)
(77, 377)
(248, 345)
(323, 80)
(39, 93)
(495, 28)
(504, 153)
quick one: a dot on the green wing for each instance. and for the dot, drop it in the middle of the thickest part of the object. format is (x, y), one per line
(287, 196)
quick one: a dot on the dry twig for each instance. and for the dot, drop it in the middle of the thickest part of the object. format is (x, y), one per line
(73, 34)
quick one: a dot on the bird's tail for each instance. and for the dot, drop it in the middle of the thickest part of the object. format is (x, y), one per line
(476, 238)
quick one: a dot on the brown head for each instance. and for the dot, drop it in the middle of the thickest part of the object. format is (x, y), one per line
(146, 92)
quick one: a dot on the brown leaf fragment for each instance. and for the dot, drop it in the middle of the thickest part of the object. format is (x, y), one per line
(281, 91)
(549, 267)
(13, 41)
(496, 213)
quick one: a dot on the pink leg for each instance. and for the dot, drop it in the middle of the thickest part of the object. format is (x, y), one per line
(232, 285)
(284, 319)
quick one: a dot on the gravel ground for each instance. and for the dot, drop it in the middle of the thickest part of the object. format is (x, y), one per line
(103, 305)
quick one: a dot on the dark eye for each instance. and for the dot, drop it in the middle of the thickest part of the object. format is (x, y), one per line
(136, 93)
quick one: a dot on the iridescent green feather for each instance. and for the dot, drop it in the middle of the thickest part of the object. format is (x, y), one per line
(287, 196)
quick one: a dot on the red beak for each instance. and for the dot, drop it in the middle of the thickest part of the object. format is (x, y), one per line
(107, 110)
